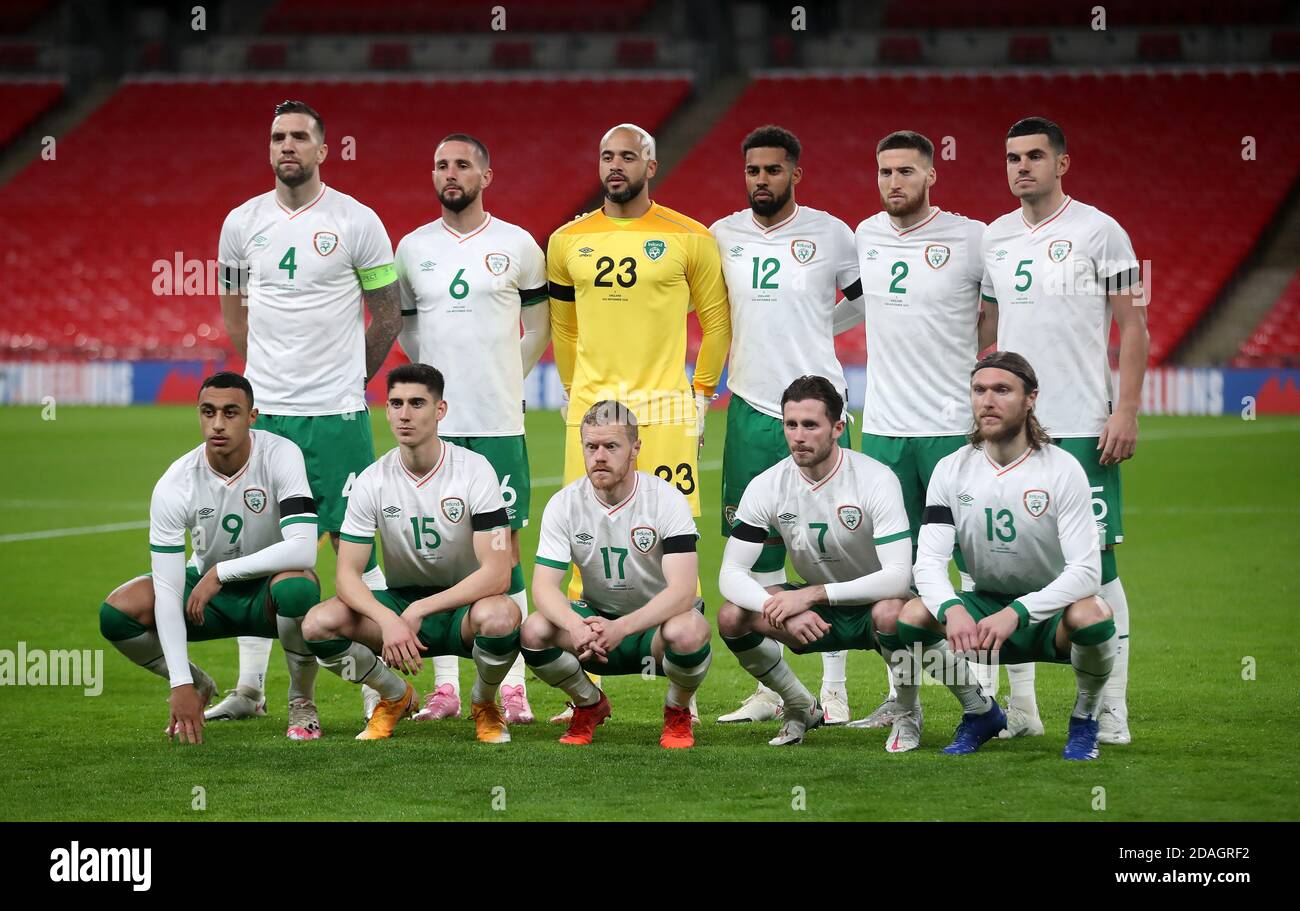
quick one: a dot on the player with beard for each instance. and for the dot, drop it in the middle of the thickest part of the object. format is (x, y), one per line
(622, 279)
(466, 279)
(1020, 509)
(301, 265)
(921, 269)
(783, 263)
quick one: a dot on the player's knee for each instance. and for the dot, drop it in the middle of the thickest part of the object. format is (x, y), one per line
(1086, 612)
(884, 615)
(133, 599)
(732, 620)
(322, 621)
(494, 616)
(913, 613)
(294, 593)
(536, 633)
(686, 633)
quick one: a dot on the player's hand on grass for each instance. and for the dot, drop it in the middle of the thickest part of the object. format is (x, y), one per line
(1119, 438)
(963, 634)
(186, 714)
(807, 627)
(778, 609)
(207, 589)
(402, 647)
(997, 629)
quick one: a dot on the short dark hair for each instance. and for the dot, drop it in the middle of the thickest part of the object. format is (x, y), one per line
(302, 107)
(430, 377)
(228, 379)
(608, 412)
(772, 136)
(465, 137)
(1032, 126)
(907, 139)
(815, 387)
(1012, 363)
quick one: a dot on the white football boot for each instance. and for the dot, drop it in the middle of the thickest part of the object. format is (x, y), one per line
(1112, 724)
(796, 726)
(761, 705)
(906, 732)
(884, 715)
(241, 702)
(835, 703)
(1021, 723)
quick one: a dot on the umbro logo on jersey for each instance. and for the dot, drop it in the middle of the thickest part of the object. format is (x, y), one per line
(453, 508)
(644, 538)
(737, 251)
(497, 263)
(872, 254)
(965, 499)
(655, 248)
(259, 240)
(1058, 250)
(392, 511)
(936, 255)
(583, 538)
(255, 499)
(206, 512)
(787, 517)
(427, 265)
(324, 242)
(1000, 255)
(1036, 502)
(850, 517)
(803, 250)
(585, 251)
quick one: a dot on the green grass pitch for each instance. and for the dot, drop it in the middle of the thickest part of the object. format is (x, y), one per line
(1213, 528)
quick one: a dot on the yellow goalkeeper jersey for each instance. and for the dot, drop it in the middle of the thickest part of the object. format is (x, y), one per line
(620, 291)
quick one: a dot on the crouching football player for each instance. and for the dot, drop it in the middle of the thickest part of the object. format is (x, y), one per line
(243, 495)
(1020, 509)
(445, 539)
(632, 538)
(840, 515)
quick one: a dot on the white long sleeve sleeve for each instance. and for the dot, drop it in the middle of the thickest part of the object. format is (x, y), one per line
(734, 581)
(934, 550)
(848, 313)
(890, 581)
(537, 333)
(409, 337)
(169, 613)
(296, 552)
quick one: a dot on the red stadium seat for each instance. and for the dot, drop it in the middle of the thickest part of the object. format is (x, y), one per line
(22, 102)
(1276, 340)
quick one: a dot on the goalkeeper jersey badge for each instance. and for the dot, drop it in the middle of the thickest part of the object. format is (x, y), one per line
(936, 255)
(324, 242)
(655, 248)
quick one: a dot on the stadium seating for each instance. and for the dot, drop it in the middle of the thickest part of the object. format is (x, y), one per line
(107, 220)
(16, 16)
(1171, 170)
(1276, 341)
(408, 16)
(938, 14)
(22, 102)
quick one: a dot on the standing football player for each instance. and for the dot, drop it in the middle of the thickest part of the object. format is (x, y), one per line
(622, 279)
(1019, 507)
(921, 268)
(783, 264)
(466, 279)
(633, 537)
(300, 265)
(1057, 272)
(841, 515)
(244, 498)
(442, 524)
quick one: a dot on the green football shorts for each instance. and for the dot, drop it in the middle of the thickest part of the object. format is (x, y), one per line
(1107, 497)
(509, 459)
(336, 448)
(440, 632)
(1036, 642)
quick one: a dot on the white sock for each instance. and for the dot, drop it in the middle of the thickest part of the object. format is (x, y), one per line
(889, 675)
(254, 656)
(566, 673)
(833, 669)
(302, 663)
(515, 677)
(987, 675)
(1116, 693)
(684, 681)
(374, 579)
(492, 669)
(446, 669)
(951, 670)
(146, 651)
(358, 664)
(767, 663)
(904, 676)
(1092, 667)
(1021, 677)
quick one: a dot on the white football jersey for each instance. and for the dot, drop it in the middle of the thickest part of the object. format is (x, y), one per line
(1050, 282)
(306, 319)
(618, 549)
(1025, 529)
(782, 282)
(426, 524)
(831, 527)
(467, 290)
(921, 288)
(230, 517)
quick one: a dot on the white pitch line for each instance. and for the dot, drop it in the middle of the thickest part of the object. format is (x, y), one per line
(70, 532)
(1243, 429)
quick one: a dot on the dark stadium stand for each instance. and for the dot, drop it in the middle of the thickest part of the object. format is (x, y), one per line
(1276, 340)
(1170, 171)
(407, 16)
(17, 16)
(937, 14)
(22, 102)
(108, 219)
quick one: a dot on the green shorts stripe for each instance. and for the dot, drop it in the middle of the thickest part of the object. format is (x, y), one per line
(509, 459)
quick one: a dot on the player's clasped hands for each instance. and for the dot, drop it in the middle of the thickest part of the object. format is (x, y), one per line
(995, 630)
(186, 722)
(586, 640)
(207, 589)
(783, 605)
(963, 634)
(608, 635)
(807, 627)
(402, 646)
